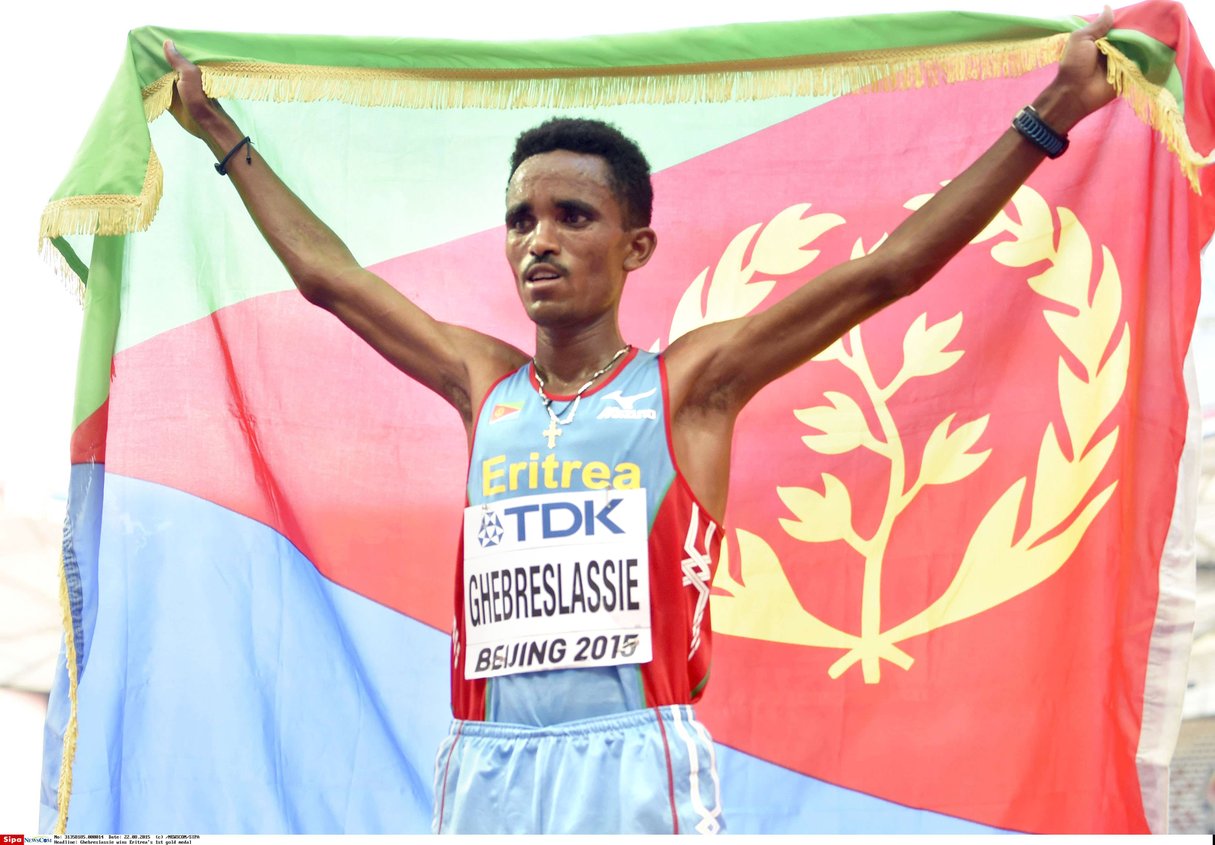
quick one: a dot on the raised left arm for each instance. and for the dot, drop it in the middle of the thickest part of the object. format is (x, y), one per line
(717, 369)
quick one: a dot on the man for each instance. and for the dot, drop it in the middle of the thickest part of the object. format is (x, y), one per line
(581, 623)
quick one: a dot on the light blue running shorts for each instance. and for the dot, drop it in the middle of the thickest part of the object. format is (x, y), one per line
(643, 771)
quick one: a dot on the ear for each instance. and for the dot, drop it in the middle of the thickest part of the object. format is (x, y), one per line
(642, 243)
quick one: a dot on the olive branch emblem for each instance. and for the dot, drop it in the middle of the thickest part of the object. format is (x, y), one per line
(997, 565)
(780, 248)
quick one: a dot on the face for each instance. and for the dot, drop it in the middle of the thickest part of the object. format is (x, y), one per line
(566, 240)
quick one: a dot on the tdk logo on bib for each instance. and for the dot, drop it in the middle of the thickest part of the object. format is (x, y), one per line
(560, 519)
(586, 518)
(549, 520)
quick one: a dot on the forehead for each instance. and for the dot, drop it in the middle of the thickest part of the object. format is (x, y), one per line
(561, 175)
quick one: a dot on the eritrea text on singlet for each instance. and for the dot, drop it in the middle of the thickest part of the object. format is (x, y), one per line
(556, 581)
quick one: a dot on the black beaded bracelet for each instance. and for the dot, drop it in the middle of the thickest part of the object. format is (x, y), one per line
(222, 167)
(1030, 124)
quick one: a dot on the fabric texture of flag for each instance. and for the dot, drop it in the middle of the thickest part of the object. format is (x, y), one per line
(956, 589)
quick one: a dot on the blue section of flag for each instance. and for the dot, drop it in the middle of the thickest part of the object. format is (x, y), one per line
(230, 688)
(81, 533)
(761, 797)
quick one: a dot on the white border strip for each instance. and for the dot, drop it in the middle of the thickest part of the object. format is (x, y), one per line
(1173, 630)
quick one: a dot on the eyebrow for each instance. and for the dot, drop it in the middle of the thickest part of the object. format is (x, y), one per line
(577, 205)
(517, 209)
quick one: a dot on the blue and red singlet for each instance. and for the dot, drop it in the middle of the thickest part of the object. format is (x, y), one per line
(598, 748)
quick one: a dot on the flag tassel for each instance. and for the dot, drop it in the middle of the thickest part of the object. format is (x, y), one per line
(1157, 107)
(61, 268)
(104, 214)
(64, 791)
(821, 75)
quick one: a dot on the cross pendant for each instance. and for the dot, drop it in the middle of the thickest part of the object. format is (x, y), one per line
(552, 433)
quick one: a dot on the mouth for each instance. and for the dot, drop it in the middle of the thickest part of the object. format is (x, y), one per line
(540, 273)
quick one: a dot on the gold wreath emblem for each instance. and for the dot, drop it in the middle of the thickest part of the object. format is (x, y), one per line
(997, 565)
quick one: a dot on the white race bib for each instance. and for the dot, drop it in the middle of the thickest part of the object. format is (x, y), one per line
(556, 581)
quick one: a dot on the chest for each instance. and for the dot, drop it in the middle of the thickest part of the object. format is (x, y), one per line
(614, 437)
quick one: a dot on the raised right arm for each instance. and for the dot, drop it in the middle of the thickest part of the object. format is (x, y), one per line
(457, 363)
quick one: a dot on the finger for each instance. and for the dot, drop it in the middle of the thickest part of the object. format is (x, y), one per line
(171, 54)
(175, 59)
(1099, 26)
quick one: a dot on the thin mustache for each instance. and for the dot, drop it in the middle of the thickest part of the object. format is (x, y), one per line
(547, 263)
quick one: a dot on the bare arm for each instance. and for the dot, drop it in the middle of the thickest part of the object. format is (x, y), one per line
(734, 359)
(715, 370)
(457, 363)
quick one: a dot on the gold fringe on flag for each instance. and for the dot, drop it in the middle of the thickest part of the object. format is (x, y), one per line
(61, 268)
(817, 75)
(158, 96)
(1157, 107)
(104, 214)
(64, 791)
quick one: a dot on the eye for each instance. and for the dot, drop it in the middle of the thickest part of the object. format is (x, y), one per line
(520, 222)
(575, 217)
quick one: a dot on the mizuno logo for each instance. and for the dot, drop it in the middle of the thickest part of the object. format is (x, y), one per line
(625, 409)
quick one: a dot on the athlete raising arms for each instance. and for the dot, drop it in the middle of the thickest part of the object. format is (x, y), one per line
(610, 746)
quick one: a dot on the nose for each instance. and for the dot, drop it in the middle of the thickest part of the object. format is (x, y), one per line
(544, 239)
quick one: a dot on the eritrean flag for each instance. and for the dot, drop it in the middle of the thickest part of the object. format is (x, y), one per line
(953, 591)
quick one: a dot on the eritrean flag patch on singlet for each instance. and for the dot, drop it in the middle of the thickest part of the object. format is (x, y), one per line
(505, 409)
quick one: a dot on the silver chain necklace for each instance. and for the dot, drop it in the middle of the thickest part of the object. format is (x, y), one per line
(553, 431)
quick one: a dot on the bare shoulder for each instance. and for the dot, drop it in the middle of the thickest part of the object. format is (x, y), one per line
(488, 360)
(458, 363)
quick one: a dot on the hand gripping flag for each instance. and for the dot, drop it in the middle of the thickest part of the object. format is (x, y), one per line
(952, 595)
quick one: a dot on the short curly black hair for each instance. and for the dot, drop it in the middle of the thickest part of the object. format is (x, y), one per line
(630, 172)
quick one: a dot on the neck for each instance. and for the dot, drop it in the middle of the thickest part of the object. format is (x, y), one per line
(567, 361)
